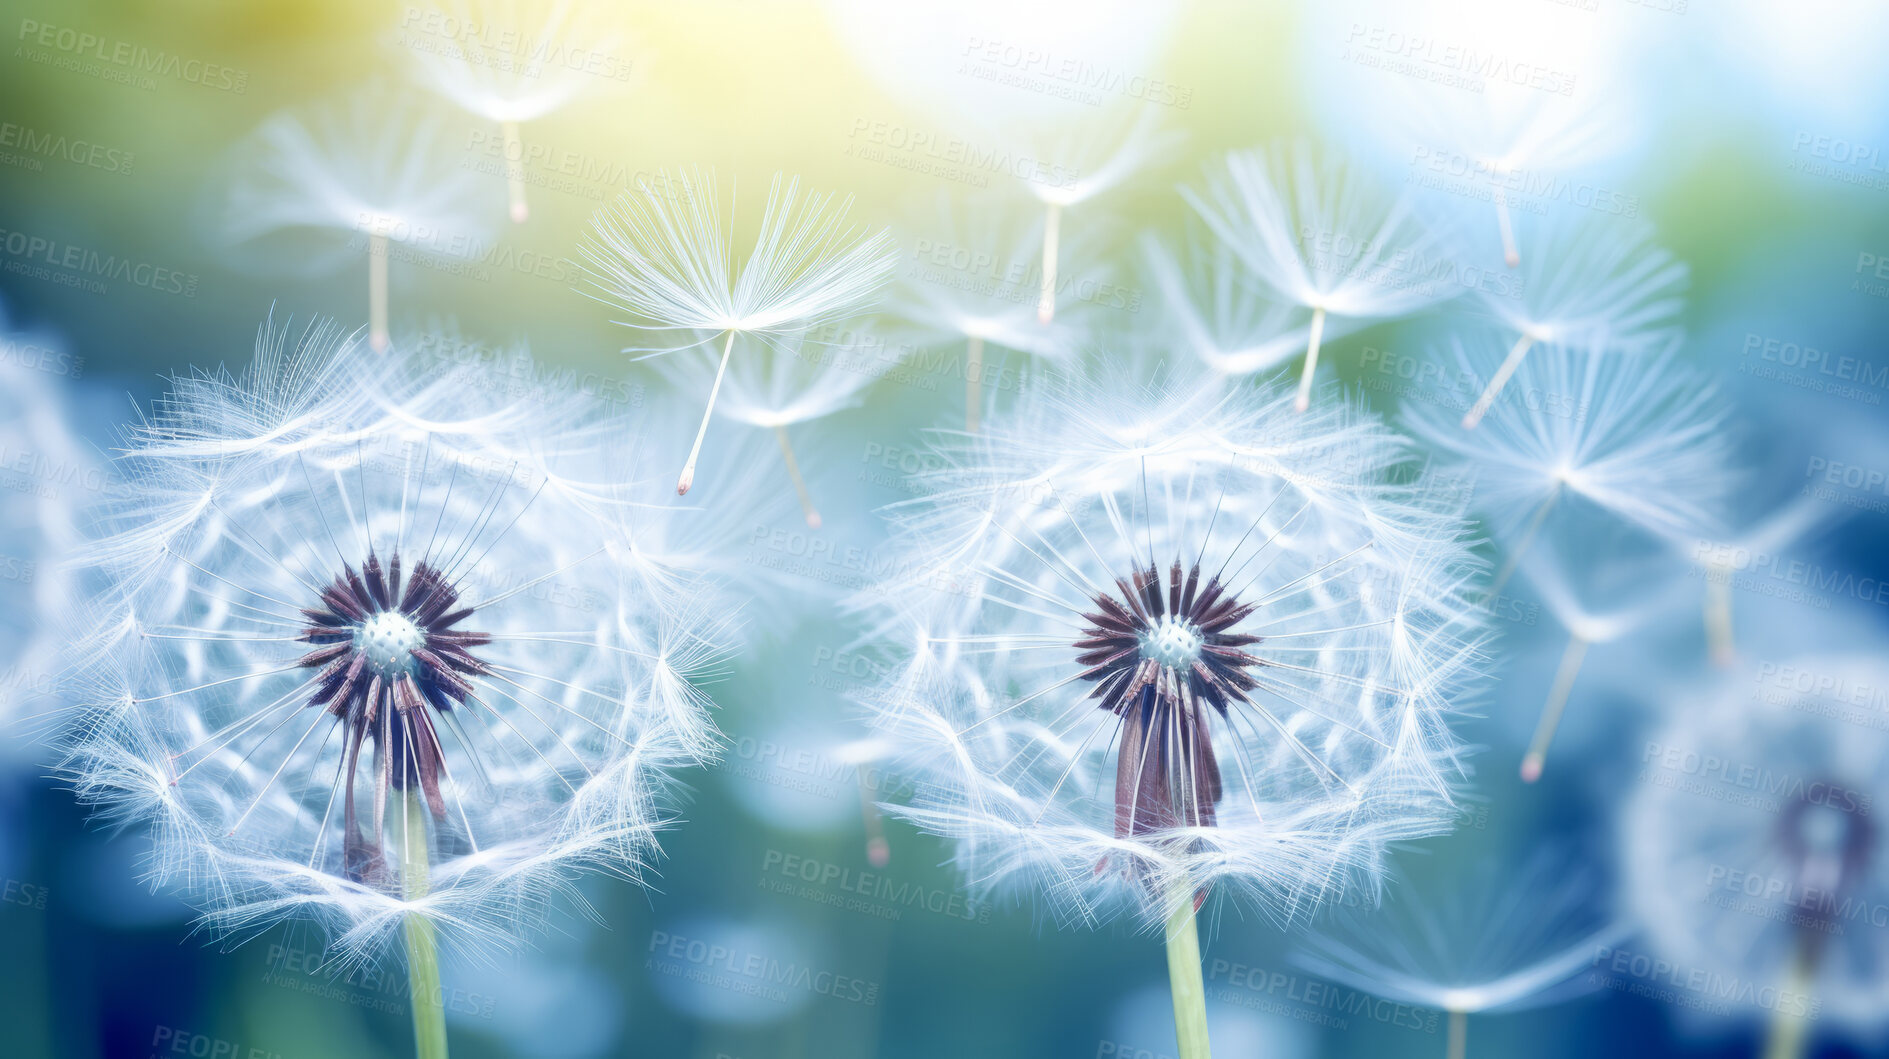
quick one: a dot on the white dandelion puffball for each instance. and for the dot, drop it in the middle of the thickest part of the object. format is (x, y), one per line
(365, 654)
(1174, 638)
(1642, 439)
(47, 475)
(1754, 857)
(377, 162)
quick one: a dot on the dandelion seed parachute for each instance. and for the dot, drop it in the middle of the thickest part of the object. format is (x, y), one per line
(515, 61)
(1595, 283)
(973, 276)
(333, 587)
(1220, 312)
(1185, 640)
(375, 163)
(1498, 938)
(1321, 235)
(1641, 439)
(663, 254)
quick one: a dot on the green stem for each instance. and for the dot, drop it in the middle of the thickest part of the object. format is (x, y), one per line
(1190, 993)
(423, 992)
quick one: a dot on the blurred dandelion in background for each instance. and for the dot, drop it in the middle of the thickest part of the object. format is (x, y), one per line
(1752, 849)
(377, 166)
(1494, 937)
(48, 476)
(514, 61)
(326, 556)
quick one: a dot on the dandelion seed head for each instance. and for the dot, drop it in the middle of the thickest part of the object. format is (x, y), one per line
(1174, 635)
(317, 605)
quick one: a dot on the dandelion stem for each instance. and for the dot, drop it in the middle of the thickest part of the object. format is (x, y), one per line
(515, 171)
(973, 382)
(1551, 714)
(1790, 1029)
(1511, 256)
(1052, 227)
(1311, 359)
(423, 992)
(1498, 380)
(377, 292)
(1459, 1034)
(1521, 545)
(695, 452)
(1718, 613)
(878, 850)
(800, 484)
(1184, 981)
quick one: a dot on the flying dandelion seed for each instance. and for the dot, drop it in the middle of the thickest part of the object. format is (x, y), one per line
(1493, 941)
(1642, 440)
(1218, 310)
(1753, 853)
(1322, 236)
(1596, 284)
(662, 254)
(1085, 160)
(1632, 573)
(1208, 643)
(376, 164)
(973, 276)
(516, 61)
(365, 660)
(795, 380)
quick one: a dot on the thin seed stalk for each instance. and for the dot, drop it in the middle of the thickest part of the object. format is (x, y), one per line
(423, 992)
(1459, 1034)
(1184, 980)
(1790, 1032)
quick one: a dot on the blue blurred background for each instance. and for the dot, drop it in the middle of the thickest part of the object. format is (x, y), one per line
(1754, 138)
